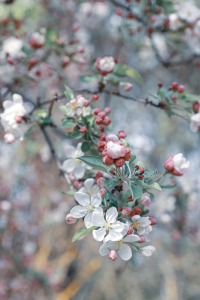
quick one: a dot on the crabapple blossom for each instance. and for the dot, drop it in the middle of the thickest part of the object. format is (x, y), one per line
(111, 226)
(187, 11)
(112, 255)
(37, 40)
(195, 122)
(87, 207)
(75, 106)
(174, 22)
(111, 137)
(148, 250)
(121, 247)
(73, 164)
(141, 225)
(89, 187)
(100, 182)
(115, 150)
(105, 65)
(145, 199)
(13, 47)
(177, 165)
(70, 220)
(9, 138)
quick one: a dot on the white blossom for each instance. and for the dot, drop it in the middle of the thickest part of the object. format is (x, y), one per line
(87, 208)
(107, 64)
(148, 250)
(180, 163)
(141, 225)
(13, 46)
(89, 187)
(111, 226)
(75, 106)
(174, 22)
(195, 122)
(122, 247)
(187, 11)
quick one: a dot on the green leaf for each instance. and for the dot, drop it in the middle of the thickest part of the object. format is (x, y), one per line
(76, 134)
(148, 173)
(81, 232)
(114, 201)
(69, 93)
(124, 198)
(189, 97)
(64, 109)
(29, 131)
(126, 70)
(85, 147)
(137, 191)
(89, 78)
(110, 183)
(154, 185)
(40, 113)
(167, 186)
(133, 157)
(66, 123)
(95, 162)
(126, 144)
(69, 193)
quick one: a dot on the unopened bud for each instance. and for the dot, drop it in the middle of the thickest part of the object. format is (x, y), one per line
(70, 220)
(112, 255)
(126, 211)
(130, 230)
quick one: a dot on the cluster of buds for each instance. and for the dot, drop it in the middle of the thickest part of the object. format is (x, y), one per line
(76, 184)
(101, 118)
(105, 65)
(113, 150)
(139, 172)
(127, 211)
(177, 165)
(37, 40)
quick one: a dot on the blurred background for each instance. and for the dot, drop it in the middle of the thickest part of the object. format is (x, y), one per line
(37, 258)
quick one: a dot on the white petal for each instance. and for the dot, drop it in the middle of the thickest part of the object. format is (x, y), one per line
(141, 231)
(118, 226)
(28, 107)
(99, 234)
(79, 111)
(96, 199)
(148, 229)
(78, 211)
(131, 238)
(115, 236)
(148, 250)
(98, 218)
(89, 183)
(7, 104)
(135, 218)
(144, 221)
(111, 215)
(88, 220)
(69, 150)
(69, 165)
(105, 248)
(79, 171)
(125, 252)
(82, 198)
(17, 99)
(83, 190)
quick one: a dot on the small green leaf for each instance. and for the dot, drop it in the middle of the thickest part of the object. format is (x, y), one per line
(167, 186)
(64, 109)
(126, 144)
(154, 185)
(124, 198)
(95, 162)
(128, 71)
(89, 78)
(137, 191)
(69, 193)
(189, 97)
(76, 134)
(69, 93)
(85, 147)
(148, 173)
(29, 131)
(66, 123)
(110, 183)
(81, 232)
(40, 113)
(114, 201)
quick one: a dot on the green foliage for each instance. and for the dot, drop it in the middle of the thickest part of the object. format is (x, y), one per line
(69, 93)
(89, 78)
(81, 232)
(95, 162)
(124, 70)
(111, 183)
(76, 134)
(67, 123)
(42, 117)
(114, 201)
(137, 191)
(85, 146)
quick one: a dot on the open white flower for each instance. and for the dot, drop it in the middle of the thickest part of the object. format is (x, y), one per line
(141, 225)
(87, 207)
(187, 11)
(107, 64)
(148, 250)
(73, 164)
(174, 22)
(111, 226)
(121, 246)
(75, 106)
(180, 163)
(89, 187)
(13, 46)
(195, 122)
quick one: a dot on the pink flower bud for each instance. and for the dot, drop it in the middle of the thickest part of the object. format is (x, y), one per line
(126, 211)
(115, 150)
(102, 136)
(142, 239)
(70, 220)
(18, 119)
(153, 221)
(83, 129)
(119, 162)
(112, 255)
(102, 192)
(102, 114)
(169, 164)
(128, 86)
(72, 178)
(77, 185)
(111, 137)
(127, 154)
(100, 182)
(107, 121)
(121, 134)
(107, 110)
(145, 199)
(130, 230)
(108, 161)
(9, 138)
(180, 89)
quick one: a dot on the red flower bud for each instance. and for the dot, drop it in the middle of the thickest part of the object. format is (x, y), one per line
(107, 110)
(83, 129)
(129, 197)
(102, 114)
(112, 255)
(142, 239)
(130, 230)
(96, 111)
(160, 84)
(121, 134)
(107, 160)
(120, 208)
(174, 98)
(118, 11)
(174, 85)
(137, 167)
(169, 164)
(142, 170)
(170, 88)
(99, 121)
(104, 152)
(18, 119)
(119, 162)
(196, 107)
(106, 121)
(180, 89)
(101, 128)
(101, 144)
(141, 177)
(127, 154)
(137, 211)
(102, 136)
(126, 211)
(153, 221)
(95, 97)
(132, 213)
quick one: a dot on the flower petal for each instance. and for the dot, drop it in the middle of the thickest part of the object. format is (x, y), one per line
(95, 199)
(88, 220)
(125, 252)
(99, 234)
(82, 198)
(105, 248)
(69, 165)
(89, 183)
(17, 99)
(79, 171)
(131, 238)
(7, 104)
(111, 215)
(115, 236)
(69, 150)
(144, 221)
(78, 211)
(118, 226)
(98, 218)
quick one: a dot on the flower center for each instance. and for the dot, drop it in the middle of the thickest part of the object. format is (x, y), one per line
(107, 226)
(135, 225)
(119, 244)
(74, 105)
(89, 191)
(90, 208)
